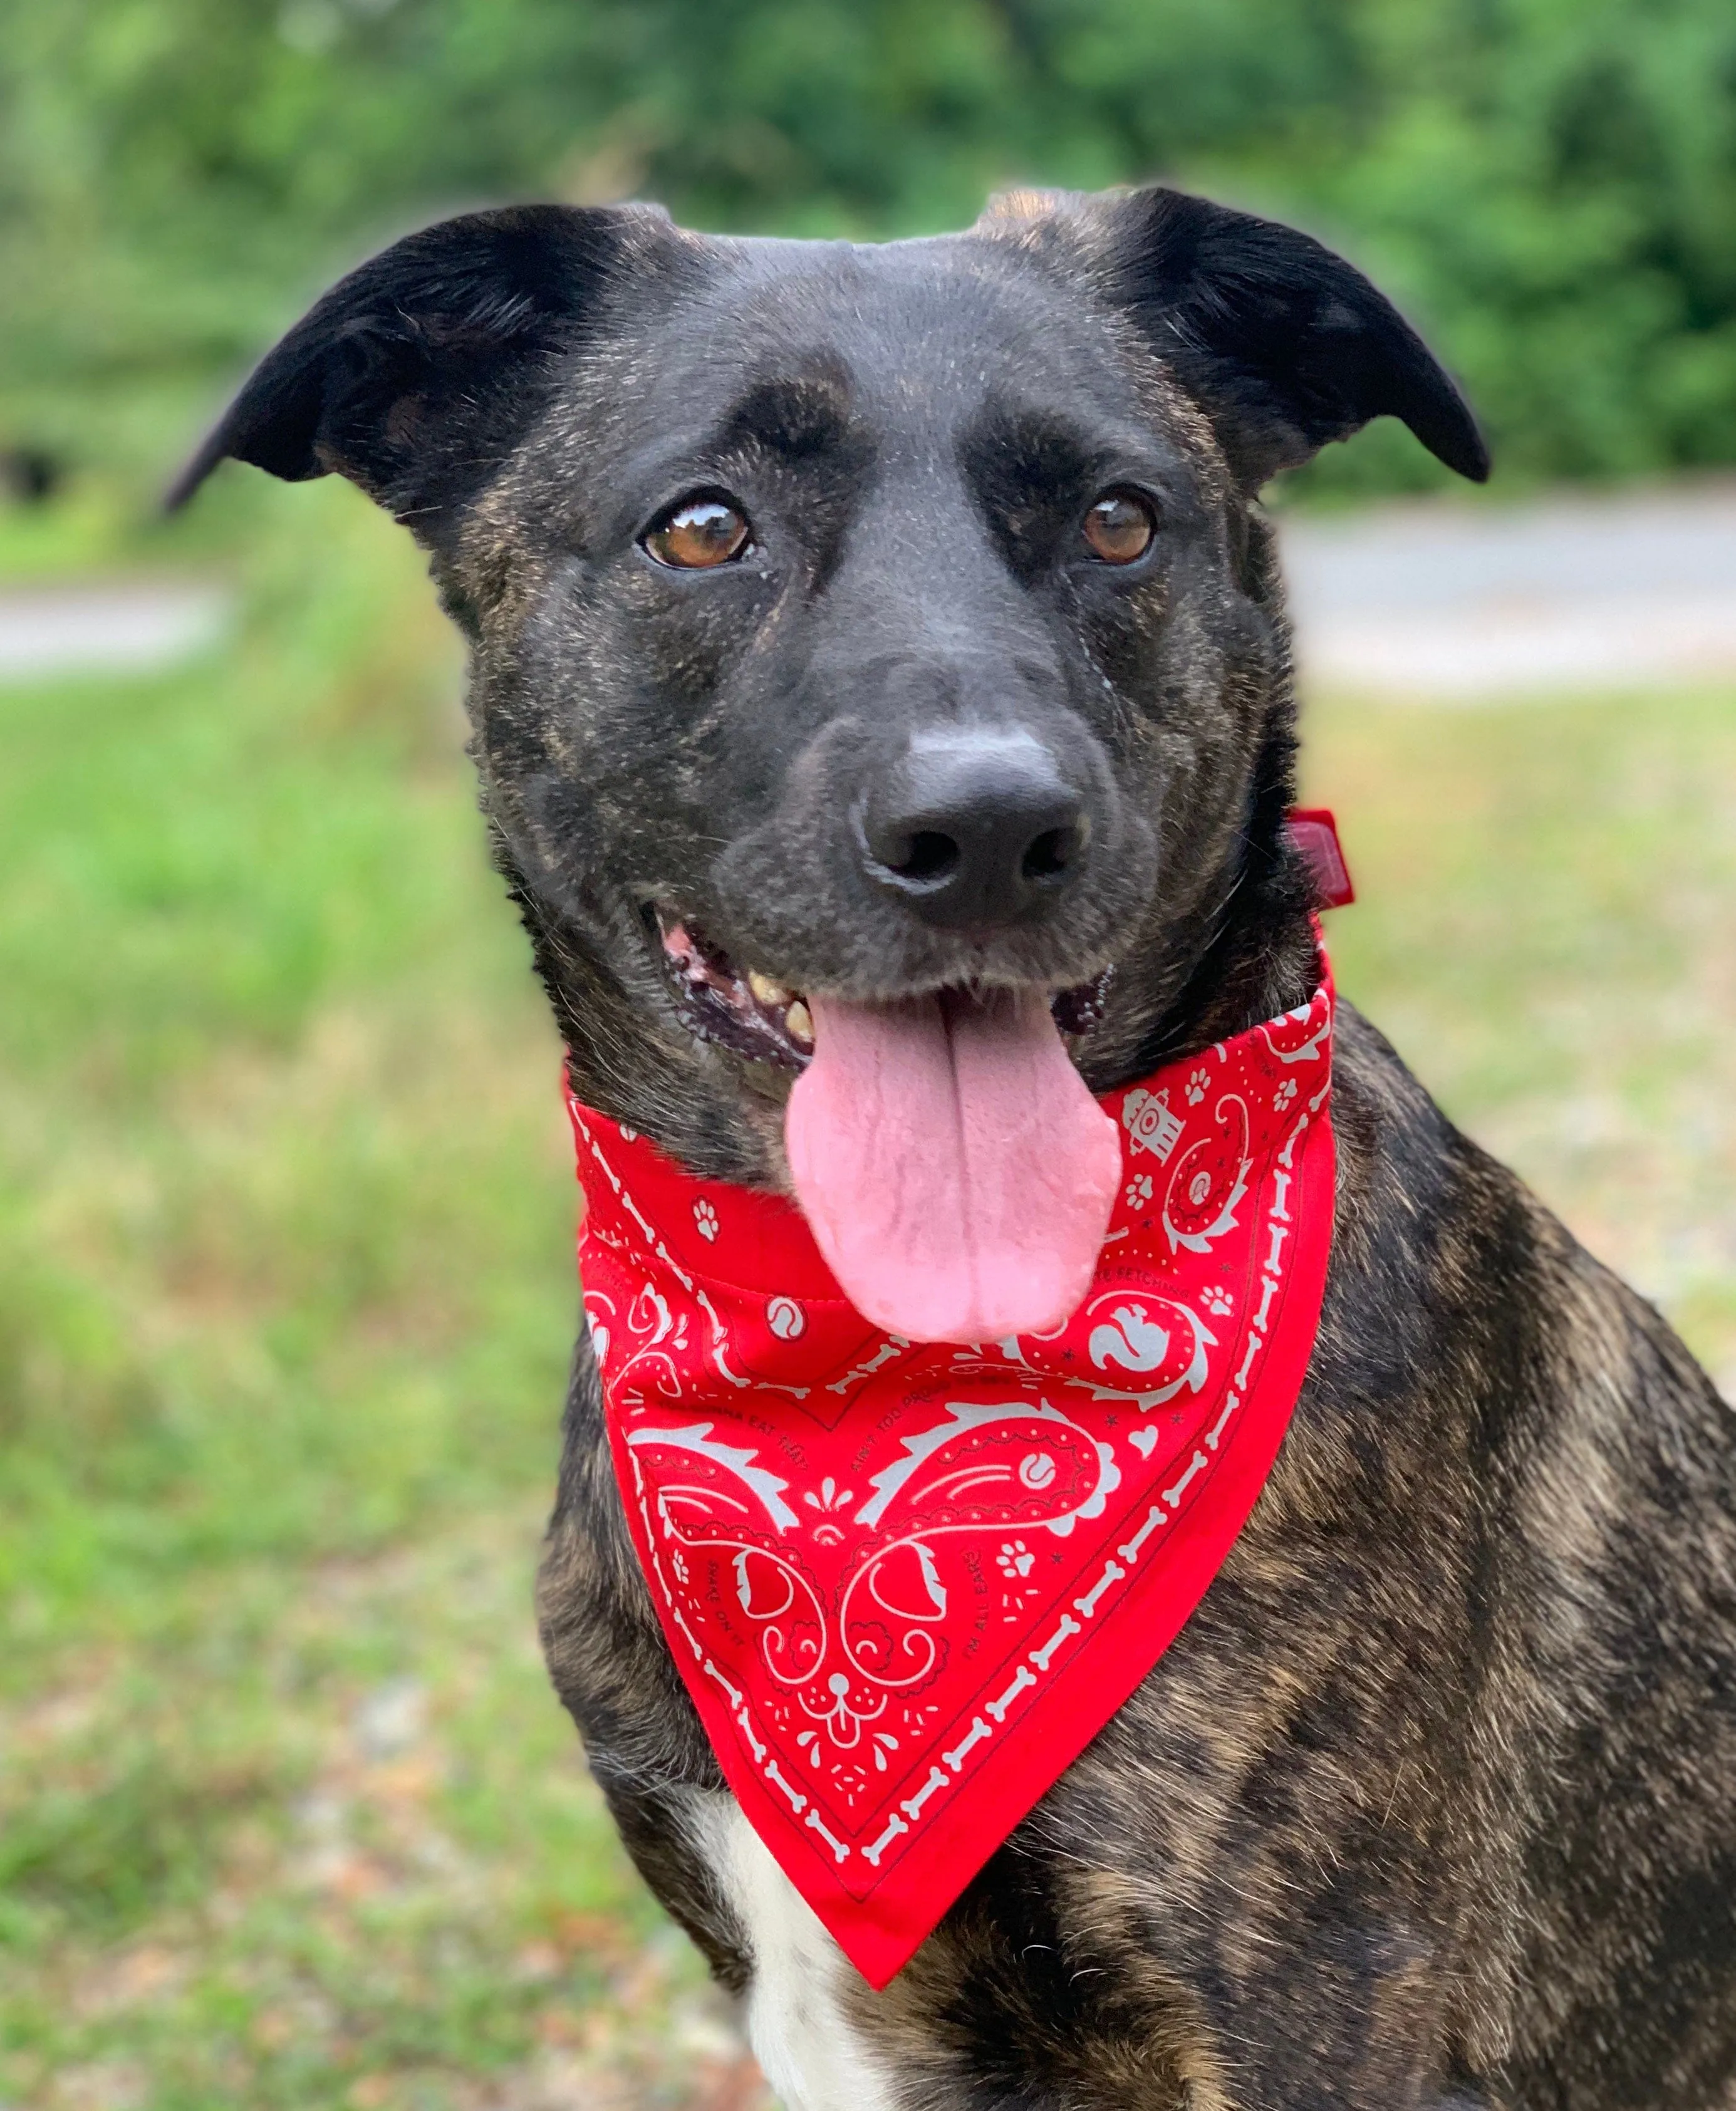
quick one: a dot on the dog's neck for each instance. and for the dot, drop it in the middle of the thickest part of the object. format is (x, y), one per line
(1260, 957)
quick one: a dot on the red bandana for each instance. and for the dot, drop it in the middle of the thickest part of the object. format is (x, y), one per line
(906, 1585)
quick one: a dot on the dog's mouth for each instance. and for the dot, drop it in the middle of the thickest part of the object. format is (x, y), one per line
(955, 1170)
(733, 1007)
(753, 1014)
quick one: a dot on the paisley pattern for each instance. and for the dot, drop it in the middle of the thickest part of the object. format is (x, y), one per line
(905, 1584)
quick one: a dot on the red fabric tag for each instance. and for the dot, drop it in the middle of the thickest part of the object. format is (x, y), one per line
(906, 1585)
(1316, 834)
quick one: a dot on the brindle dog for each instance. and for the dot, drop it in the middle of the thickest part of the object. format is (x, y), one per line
(1430, 1803)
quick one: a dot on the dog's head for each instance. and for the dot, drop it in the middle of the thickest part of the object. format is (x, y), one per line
(860, 628)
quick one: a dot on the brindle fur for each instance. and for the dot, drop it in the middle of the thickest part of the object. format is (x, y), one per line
(1429, 1803)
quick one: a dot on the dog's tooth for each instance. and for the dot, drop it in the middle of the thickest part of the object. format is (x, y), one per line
(799, 1022)
(768, 992)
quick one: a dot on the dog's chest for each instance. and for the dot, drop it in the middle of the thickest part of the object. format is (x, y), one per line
(813, 2055)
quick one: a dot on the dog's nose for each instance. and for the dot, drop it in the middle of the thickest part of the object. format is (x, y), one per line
(974, 828)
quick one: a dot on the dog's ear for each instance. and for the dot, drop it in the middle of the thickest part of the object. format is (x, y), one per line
(1284, 344)
(413, 376)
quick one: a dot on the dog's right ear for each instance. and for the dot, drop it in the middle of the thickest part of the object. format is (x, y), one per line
(413, 376)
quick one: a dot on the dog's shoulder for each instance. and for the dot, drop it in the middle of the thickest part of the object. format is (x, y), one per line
(1544, 1482)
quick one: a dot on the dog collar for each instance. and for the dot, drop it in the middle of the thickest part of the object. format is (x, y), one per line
(906, 1585)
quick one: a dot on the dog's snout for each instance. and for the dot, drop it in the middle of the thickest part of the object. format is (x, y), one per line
(975, 828)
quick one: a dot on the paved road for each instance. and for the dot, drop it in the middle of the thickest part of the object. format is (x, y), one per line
(133, 626)
(1451, 601)
(1441, 600)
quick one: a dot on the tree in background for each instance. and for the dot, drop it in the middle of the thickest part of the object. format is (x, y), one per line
(1548, 185)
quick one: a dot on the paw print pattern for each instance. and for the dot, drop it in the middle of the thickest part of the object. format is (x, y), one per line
(705, 1217)
(1139, 1190)
(1198, 1081)
(1219, 1300)
(1015, 1559)
(1284, 1094)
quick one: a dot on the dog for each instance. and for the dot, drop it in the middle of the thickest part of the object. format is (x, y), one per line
(761, 548)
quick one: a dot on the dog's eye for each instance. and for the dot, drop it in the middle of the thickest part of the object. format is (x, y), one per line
(1119, 528)
(696, 534)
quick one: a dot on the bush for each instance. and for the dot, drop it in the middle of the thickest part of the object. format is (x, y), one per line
(1549, 184)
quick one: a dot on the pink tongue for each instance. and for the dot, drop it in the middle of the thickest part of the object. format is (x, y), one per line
(955, 1171)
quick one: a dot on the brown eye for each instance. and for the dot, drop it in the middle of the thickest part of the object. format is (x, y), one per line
(1119, 528)
(698, 534)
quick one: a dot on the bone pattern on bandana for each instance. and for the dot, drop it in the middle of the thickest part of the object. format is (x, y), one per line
(906, 1585)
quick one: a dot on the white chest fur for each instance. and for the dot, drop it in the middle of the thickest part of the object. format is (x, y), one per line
(814, 2058)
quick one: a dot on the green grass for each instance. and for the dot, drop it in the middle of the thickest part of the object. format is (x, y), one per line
(1546, 929)
(285, 1251)
(288, 1816)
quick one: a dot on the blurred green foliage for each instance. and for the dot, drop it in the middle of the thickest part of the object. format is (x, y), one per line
(1549, 185)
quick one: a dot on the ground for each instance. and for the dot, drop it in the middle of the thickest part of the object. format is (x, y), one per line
(288, 1816)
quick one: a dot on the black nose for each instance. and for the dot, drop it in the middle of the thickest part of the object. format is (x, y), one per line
(974, 828)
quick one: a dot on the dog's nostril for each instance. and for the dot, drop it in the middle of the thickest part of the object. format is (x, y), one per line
(1053, 851)
(929, 856)
(973, 827)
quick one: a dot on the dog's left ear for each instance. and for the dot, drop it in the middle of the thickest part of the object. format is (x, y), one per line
(1284, 344)
(414, 375)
